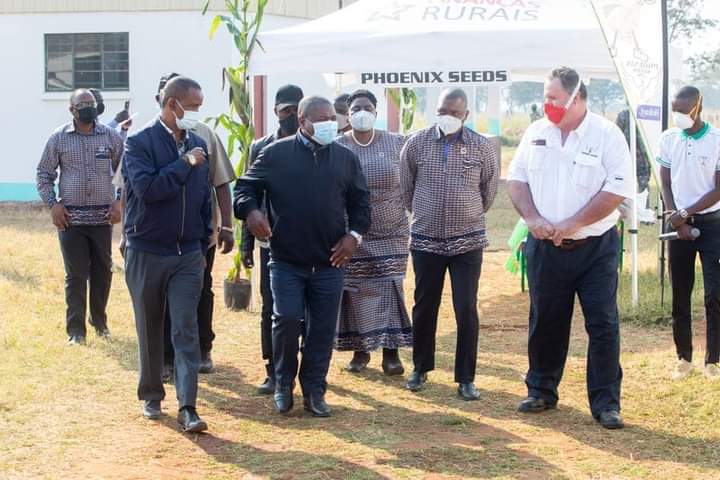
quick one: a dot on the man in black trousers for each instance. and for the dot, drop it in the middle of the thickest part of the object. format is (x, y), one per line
(287, 99)
(311, 184)
(449, 177)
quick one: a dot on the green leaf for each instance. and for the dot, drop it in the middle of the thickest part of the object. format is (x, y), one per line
(217, 21)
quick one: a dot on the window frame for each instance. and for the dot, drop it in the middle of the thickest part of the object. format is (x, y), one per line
(103, 71)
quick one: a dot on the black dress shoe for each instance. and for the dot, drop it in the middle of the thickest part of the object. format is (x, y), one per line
(468, 391)
(76, 340)
(189, 420)
(267, 387)
(416, 381)
(102, 332)
(358, 362)
(151, 409)
(611, 420)
(283, 399)
(535, 405)
(315, 404)
(168, 372)
(206, 363)
(391, 363)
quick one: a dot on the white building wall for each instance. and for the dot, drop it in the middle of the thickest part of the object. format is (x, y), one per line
(160, 42)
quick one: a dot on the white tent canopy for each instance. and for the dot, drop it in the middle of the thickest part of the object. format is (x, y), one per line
(524, 37)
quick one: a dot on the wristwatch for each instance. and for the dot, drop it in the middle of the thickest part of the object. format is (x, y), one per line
(190, 159)
(357, 236)
(683, 213)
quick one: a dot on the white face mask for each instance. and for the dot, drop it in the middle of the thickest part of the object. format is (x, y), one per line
(189, 120)
(325, 132)
(362, 120)
(449, 124)
(682, 120)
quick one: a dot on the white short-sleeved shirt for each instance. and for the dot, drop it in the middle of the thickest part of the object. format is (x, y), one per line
(564, 178)
(693, 161)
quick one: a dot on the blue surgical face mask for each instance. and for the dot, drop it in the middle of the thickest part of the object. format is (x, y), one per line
(325, 132)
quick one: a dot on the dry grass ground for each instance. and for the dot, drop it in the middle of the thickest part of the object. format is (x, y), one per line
(72, 412)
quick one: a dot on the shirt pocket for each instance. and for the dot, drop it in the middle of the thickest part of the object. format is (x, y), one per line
(537, 159)
(471, 172)
(103, 162)
(586, 171)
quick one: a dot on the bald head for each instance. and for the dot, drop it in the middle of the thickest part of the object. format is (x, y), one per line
(82, 95)
(180, 88)
(453, 95)
(310, 107)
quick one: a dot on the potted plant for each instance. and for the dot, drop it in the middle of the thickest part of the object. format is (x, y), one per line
(243, 25)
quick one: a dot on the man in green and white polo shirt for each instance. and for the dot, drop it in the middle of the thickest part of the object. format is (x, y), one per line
(690, 172)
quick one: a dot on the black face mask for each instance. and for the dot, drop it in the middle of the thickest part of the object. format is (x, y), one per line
(289, 125)
(87, 114)
(100, 108)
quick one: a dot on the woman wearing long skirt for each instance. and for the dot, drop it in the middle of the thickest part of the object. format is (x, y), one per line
(373, 313)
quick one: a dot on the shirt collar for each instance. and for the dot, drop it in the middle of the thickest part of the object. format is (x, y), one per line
(697, 135)
(183, 133)
(582, 129)
(71, 128)
(461, 135)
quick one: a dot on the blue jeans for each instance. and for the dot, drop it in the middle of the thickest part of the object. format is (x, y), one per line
(555, 277)
(313, 294)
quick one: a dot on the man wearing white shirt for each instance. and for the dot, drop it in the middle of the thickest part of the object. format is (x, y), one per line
(690, 171)
(571, 172)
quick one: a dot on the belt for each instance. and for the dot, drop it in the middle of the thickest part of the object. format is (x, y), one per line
(569, 245)
(700, 218)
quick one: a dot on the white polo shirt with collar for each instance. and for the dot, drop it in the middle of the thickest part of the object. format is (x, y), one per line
(693, 161)
(563, 179)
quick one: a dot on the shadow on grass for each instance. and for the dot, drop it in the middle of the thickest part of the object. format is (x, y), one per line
(633, 442)
(438, 442)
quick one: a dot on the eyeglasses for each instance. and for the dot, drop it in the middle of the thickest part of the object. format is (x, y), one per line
(81, 105)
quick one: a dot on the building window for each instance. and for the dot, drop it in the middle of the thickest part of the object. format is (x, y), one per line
(86, 60)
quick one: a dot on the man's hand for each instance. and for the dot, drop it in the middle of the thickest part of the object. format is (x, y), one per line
(676, 221)
(343, 251)
(114, 212)
(246, 256)
(198, 155)
(226, 241)
(60, 216)
(258, 225)
(540, 228)
(684, 232)
(563, 230)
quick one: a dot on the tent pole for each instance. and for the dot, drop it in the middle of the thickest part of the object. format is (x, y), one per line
(665, 102)
(634, 214)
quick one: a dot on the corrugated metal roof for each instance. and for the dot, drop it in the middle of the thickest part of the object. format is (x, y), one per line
(289, 8)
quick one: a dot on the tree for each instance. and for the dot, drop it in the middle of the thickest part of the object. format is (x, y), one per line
(524, 94)
(685, 19)
(604, 94)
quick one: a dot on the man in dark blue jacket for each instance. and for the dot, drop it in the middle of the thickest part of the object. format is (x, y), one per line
(167, 224)
(312, 184)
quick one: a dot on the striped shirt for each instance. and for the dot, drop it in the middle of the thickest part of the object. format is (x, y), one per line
(87, 163)
(448, 186)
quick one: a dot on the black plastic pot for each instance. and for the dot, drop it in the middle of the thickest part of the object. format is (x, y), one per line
(237, 294)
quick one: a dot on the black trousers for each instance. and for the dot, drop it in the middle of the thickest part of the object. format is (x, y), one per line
(267, 310)
(86, 252)
(555, 276)
(204, 313)
(682, 257)
(430, 271)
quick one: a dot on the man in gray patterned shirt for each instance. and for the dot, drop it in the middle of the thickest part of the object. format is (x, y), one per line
(449, 177)
(86, 153)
